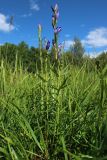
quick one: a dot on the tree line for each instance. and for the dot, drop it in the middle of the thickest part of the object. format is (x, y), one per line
(29, 57)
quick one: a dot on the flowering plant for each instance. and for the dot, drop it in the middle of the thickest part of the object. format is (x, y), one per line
(56, 47)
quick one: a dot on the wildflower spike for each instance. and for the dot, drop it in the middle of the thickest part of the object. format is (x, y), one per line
(48, 45)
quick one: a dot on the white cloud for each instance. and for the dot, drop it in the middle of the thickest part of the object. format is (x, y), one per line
(68, 44)
(4, 25)
(26, 15)
(93, 54)
(96, 38)
(34, 5)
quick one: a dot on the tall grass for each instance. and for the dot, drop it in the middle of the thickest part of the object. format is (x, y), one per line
(54, 114)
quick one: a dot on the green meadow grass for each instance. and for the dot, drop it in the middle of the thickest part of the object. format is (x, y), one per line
(53, 114)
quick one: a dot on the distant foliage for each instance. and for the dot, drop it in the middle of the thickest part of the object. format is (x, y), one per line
(60, 111)
(29, 57)
(77, 50)
(102, 58)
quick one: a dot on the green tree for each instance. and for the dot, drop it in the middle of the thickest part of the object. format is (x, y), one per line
(102, 58)
(77, 50)
(8, 52)
(67, 58)
(23, 53)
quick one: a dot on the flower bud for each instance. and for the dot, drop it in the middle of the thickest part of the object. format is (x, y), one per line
(48, 45)
(57, 30)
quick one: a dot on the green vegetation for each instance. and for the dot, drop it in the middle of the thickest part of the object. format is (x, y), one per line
(53, 106)
(53, 113)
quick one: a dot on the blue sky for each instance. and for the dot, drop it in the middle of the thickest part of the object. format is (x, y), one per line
(86, 19)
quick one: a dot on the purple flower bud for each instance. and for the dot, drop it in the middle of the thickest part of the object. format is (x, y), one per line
(60, 46)
(48, 45)
(56, 7)
(57, 30)
(53, 22)
(57, 15)
(56, 11)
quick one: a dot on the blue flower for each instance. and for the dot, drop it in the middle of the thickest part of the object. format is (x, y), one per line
(57, 30)
(57, 15)
(55, 11)
(48, 45)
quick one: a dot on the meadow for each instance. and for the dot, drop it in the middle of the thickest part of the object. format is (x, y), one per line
(58, 112)
(53, 114)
